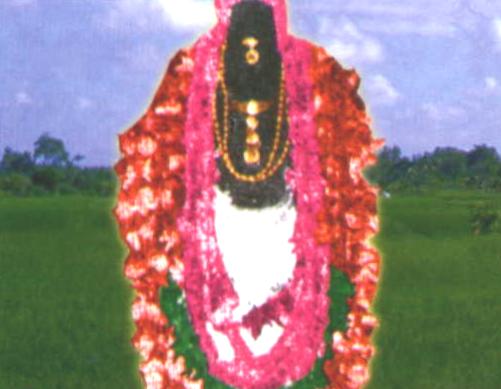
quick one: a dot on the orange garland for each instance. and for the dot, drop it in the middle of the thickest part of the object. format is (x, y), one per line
(349, 218)
(152, 195)
(150, 199)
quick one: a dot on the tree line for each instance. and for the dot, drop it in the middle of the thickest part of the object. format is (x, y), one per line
(50, 169)
(443, 168)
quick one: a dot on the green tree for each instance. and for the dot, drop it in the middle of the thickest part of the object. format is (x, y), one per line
(390, 168)
(46, 177)
(16, 162)
(16, 184)
(450, 163)
(484, 166)
(50, 151)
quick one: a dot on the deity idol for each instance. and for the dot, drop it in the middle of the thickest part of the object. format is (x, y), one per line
(246, 214)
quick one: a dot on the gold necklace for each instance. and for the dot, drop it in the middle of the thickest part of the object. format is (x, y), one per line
(251, 107)
(275, 161)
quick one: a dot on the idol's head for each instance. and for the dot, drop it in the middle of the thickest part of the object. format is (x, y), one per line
(252, 57)
(252, 18)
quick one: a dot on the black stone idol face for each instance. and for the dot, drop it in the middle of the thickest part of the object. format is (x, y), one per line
(252, 97)
(252, 19)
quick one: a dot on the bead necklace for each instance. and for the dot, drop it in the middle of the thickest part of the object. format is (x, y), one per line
(252, 108)
(275, 161)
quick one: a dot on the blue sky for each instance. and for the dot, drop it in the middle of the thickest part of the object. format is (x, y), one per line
(84, 70)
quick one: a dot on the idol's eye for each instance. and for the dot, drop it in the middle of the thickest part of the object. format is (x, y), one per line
(252, 55)
(250, 42)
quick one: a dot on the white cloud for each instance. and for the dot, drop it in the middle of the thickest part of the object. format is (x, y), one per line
(143, 57)
(347, 43)
(490, 83)
(381, 90)
(187, 15)
(420, 17)
(382, 8)
(23, 98)
(486, 7)
(439, 112)
(21, 3)
(84, 103)
(432, 111)
(408, 26)
(496, 24)
(358, 6)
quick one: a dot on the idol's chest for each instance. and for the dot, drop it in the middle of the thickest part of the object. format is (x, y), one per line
(256, 248)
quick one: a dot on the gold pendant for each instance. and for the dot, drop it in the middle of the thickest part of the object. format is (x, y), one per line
(252, 123)
(252, 139)
(252, 156)
(252, 55)
(252, 108)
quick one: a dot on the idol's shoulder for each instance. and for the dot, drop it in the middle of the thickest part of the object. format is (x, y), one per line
(177, 76)
(340, 111)
(327, 69)
(166, 111)
(182, 60)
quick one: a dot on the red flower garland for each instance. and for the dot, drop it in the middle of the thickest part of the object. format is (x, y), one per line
(169, 163)
(206, 283)
(152, 194)
(150, 200)
(349, 216)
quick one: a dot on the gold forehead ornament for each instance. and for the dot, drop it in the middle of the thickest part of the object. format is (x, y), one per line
(252, 55)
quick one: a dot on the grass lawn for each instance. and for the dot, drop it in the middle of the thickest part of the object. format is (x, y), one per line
(64, 304)
(440, 296)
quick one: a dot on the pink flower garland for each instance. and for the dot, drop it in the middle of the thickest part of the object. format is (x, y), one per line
(169, 161)
(206, 283)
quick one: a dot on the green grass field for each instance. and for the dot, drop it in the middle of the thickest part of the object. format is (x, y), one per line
(64, 304)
